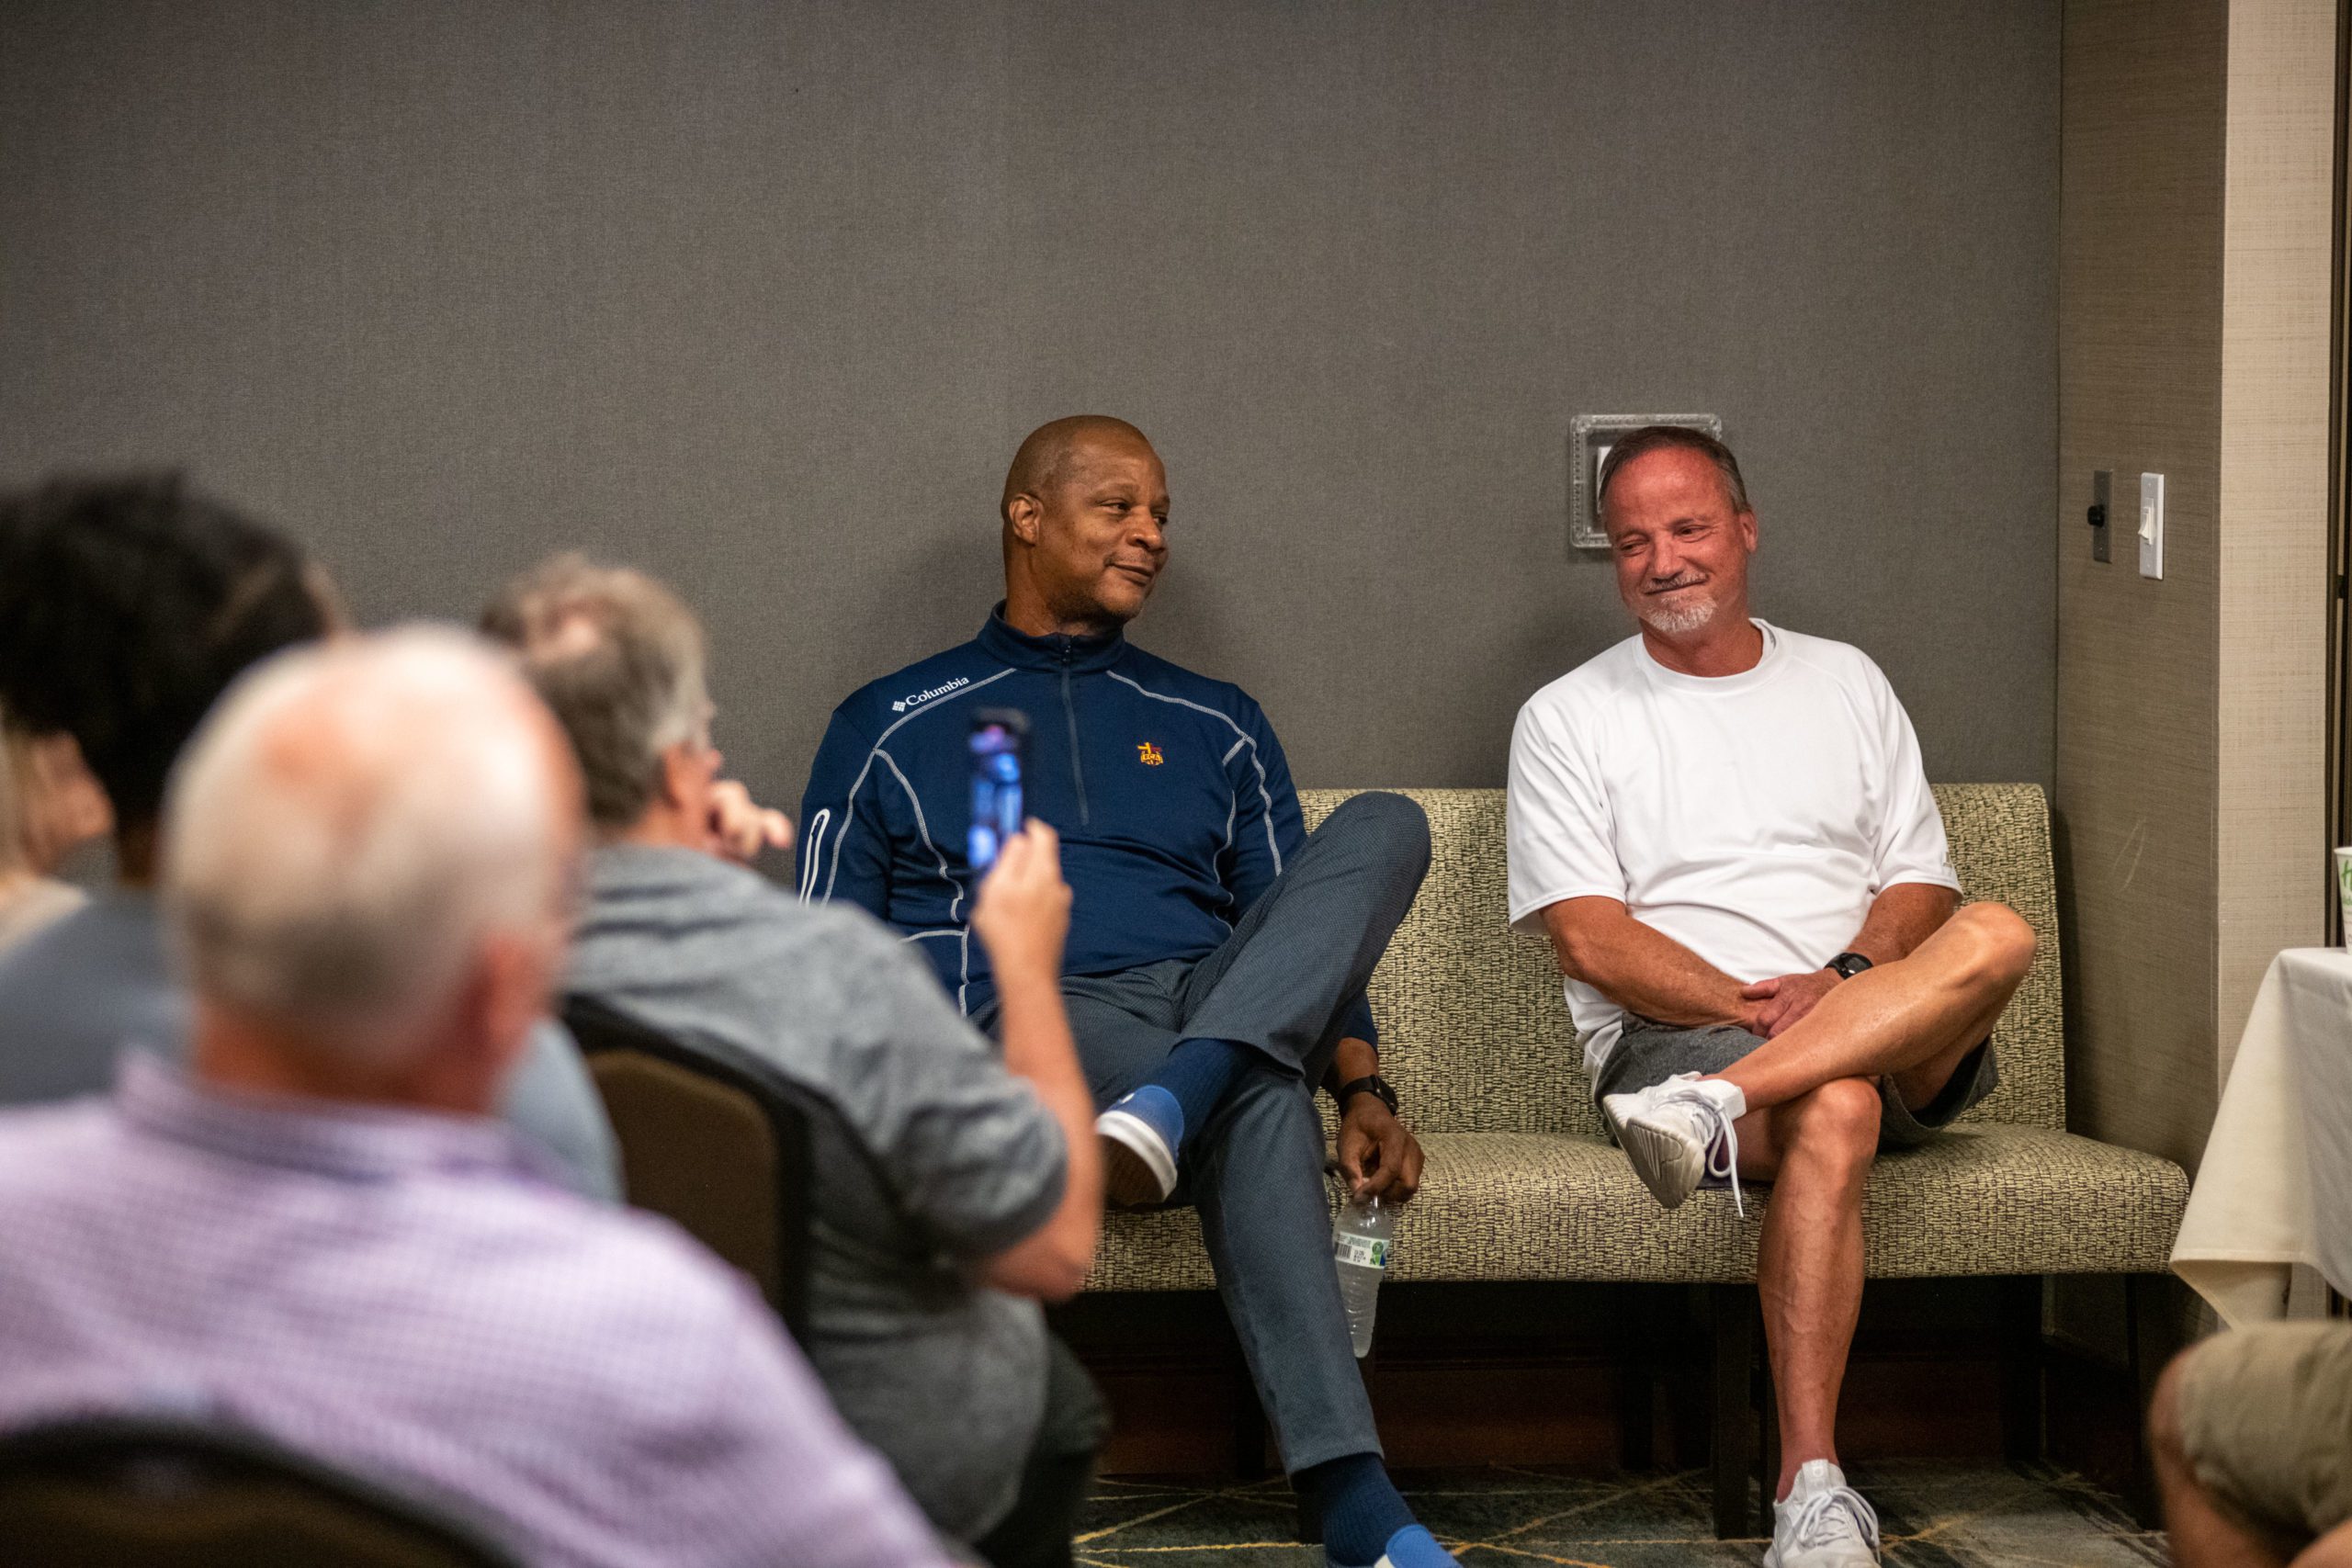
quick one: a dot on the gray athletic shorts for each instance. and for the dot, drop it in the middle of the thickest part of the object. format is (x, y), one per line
(1650, 1053)
(2266, 1415)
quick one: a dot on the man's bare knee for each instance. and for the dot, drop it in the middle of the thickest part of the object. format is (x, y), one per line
(2001, 944)
(1840, 1119)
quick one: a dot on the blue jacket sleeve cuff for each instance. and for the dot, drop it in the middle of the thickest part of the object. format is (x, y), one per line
(1356, 1022)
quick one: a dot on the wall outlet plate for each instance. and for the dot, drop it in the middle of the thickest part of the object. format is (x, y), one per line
(1591, 435)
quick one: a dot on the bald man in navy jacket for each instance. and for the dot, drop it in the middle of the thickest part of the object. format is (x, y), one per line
(1218, 953)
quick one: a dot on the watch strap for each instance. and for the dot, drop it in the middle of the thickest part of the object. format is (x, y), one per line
(1849, 964)
(1372, 1084)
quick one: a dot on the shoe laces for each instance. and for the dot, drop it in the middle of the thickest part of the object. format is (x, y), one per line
(1835, 1515)
(1721, 1159)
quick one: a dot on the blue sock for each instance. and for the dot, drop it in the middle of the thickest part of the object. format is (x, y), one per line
(1198, 1072)
(1360, 1507)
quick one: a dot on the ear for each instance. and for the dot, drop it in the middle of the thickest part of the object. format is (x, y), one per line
(1747, 530)
(513, 992)
(678, 777)
(489, 1023)
(1022, 517)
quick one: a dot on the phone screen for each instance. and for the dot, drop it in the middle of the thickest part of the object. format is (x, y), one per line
(999, 737)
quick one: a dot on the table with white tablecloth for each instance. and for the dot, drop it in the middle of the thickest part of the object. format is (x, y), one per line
(2275, 1186)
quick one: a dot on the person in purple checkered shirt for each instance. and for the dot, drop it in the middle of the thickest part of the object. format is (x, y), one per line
(321, 1233)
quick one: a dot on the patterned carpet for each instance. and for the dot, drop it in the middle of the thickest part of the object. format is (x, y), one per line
(1935, 1514)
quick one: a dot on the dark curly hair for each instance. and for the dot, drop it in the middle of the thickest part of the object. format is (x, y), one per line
(127, 603)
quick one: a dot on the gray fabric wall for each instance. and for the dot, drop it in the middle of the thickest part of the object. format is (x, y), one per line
(761, 296)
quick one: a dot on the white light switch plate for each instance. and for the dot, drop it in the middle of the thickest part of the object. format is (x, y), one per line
(2151, 526)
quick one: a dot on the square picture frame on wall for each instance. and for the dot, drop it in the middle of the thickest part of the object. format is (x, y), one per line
(1590, 437)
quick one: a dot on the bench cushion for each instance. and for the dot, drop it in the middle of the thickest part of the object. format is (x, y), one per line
(1520, 1185)
(1474, 1033)
(1986, 1199)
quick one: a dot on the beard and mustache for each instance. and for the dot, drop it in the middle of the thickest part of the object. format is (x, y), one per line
(1675, 619)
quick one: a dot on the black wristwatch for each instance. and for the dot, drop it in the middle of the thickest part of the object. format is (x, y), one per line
(1372, 1084)
(1848, 964)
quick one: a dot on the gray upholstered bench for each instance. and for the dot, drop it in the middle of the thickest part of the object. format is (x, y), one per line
(1522, 1185)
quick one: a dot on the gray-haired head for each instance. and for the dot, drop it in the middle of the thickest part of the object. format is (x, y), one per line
(354, 828)
(1676, 437)
(620, 661)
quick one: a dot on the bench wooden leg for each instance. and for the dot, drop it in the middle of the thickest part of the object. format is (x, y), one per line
(1248, 1430)
(1645, 1307)
(2151, 1323)
(2022, 1399)
(1689, 1380)
(1734, 1310)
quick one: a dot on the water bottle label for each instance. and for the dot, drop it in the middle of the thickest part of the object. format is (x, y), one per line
(1361, 1251)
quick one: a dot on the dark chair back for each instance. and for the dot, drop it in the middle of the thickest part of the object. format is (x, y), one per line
(142, 1493)
(711, 1138)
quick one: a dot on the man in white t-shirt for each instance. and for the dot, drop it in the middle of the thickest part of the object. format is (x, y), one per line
(1725, 830)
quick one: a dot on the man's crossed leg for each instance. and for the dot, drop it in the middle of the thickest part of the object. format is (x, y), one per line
(1248, 1031)
(1276, 994)
(1882, 1060)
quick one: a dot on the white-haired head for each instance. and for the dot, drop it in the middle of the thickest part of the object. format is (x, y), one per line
(355, 827)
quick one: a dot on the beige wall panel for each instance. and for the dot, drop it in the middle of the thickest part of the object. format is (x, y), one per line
(2140, 341)
(2273, 681)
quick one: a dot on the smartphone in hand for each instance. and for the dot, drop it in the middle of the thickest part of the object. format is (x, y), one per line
(1000, 741)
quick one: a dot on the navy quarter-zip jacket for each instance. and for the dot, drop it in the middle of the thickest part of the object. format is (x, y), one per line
(1171, 793)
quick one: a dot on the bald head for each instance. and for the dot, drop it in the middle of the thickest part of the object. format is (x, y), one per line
(1085, 527)
(1052, 451)
(368, 838)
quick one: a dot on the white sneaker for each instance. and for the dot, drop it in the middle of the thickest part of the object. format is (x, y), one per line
(1139, 1136)
(1679, 1135)
(1823, 1523)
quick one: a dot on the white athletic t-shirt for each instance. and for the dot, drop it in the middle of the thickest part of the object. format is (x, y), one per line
(1752, 818)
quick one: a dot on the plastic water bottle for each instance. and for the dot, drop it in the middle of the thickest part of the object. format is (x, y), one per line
(1360, 1238)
